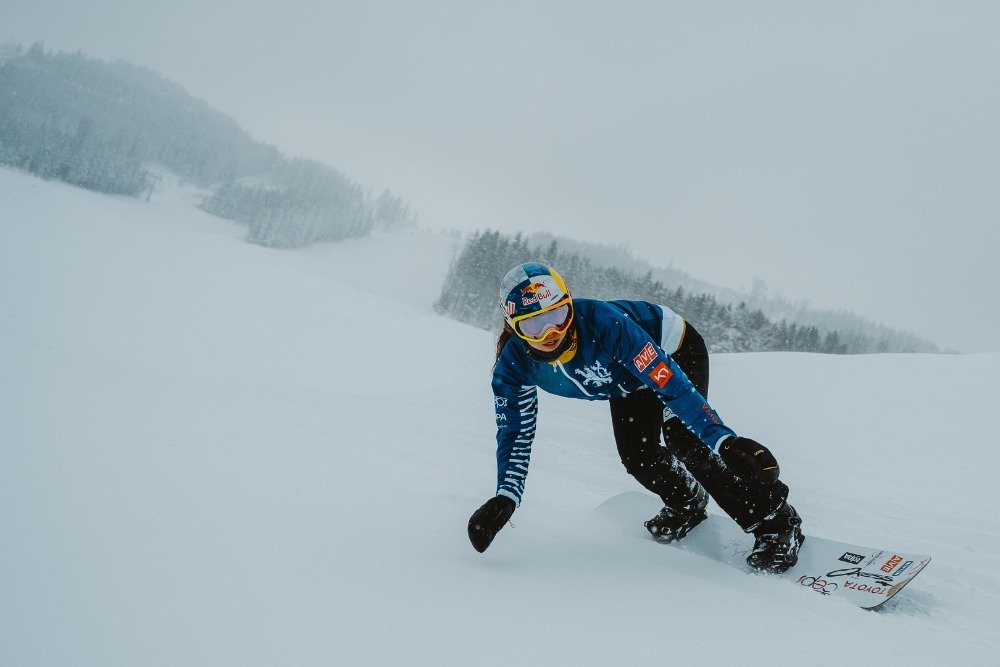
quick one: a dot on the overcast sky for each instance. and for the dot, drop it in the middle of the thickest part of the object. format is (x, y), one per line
(847, 153)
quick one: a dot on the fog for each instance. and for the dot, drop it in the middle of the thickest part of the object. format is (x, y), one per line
(845, 154)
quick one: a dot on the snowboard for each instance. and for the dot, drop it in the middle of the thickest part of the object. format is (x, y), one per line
(864, 576)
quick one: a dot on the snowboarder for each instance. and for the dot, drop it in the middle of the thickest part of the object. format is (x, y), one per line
(652, 367)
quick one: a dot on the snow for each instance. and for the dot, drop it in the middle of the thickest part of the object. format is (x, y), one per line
(212, 452)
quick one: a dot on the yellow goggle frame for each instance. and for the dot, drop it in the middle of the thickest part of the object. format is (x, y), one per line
(548, 333)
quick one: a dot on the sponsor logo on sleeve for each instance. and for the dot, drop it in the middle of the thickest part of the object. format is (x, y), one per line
(645, 357)
(891, 563)
(853, 559)
(711, 413)
(661, 375)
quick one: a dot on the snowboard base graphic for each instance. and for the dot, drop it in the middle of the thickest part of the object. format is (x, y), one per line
(864, 576)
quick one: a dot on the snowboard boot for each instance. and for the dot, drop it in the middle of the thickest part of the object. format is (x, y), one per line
(673, 524)
(778, 540)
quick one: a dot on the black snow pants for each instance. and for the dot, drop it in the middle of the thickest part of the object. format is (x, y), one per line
(674, 469)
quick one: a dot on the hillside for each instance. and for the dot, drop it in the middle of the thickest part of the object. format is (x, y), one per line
(215, 452)
(112, 126)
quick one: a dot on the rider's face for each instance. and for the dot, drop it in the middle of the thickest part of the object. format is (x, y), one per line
(550, 343)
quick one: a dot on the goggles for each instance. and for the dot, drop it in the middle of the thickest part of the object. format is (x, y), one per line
(536, 327)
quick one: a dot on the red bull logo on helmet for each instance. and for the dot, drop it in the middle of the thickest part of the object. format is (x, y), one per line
(529, 288)
(535, 297)
(541, 291)
(533, 288)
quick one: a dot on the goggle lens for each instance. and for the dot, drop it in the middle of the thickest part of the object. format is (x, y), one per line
(534, 326)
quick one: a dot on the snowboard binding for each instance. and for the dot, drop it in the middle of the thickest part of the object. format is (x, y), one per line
(779, 538)
(671, 524)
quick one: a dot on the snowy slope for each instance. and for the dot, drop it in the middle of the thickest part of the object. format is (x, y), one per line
(212, 452)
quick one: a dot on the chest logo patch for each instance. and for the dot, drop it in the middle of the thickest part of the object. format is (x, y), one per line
(595, 374)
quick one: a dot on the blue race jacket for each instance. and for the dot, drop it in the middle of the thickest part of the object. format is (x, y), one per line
(619, 350)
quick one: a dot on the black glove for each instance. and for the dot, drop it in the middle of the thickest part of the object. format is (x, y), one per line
(487, 521)
(749, 459)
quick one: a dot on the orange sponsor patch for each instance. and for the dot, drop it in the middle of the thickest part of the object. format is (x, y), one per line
(661, 374)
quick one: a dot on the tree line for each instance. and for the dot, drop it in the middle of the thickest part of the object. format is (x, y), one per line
(760, 297)
(101, 125)
(469, 294)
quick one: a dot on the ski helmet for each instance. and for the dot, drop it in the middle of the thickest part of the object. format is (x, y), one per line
(530, 289)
